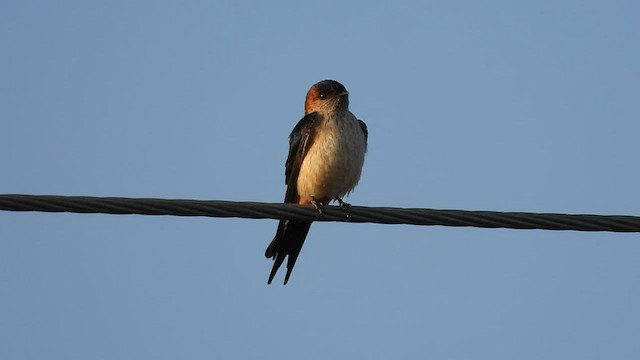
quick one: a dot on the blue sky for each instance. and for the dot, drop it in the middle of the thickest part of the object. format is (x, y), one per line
(470, 105)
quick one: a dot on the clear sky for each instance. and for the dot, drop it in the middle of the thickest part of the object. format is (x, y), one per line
(492, 105)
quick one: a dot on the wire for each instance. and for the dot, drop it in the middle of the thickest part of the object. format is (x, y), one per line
(358, 214)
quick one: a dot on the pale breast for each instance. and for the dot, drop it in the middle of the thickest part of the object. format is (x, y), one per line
(333, 163)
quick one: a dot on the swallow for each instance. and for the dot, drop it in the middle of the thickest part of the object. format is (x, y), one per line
(326, 154)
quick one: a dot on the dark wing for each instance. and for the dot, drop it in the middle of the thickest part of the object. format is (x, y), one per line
(299, 142)
(290, 235)
(363, 126)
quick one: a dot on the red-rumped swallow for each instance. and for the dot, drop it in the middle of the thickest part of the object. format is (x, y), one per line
(326, 154)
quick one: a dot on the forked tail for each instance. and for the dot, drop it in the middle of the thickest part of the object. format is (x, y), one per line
(288, 241)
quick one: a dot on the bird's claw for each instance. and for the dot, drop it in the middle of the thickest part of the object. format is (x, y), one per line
(318, 205)
(345, 205)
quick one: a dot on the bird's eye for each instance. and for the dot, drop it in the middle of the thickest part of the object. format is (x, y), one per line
(323, 96)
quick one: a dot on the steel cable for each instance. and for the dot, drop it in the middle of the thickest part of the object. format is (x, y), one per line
(358, 214)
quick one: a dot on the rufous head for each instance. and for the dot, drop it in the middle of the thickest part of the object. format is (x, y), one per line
(327, 94)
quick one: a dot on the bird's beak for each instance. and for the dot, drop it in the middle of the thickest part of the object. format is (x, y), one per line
(343, 93)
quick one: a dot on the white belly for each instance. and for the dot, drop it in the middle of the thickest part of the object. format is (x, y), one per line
(334, 160)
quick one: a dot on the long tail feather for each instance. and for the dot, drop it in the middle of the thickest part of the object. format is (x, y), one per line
(287, 242)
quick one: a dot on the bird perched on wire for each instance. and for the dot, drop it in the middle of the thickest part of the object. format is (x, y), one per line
(326, 154)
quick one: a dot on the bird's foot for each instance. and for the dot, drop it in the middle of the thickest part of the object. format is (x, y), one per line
(319, 205)
(345, 205)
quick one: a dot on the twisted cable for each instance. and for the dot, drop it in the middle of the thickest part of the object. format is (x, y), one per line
(357, 214)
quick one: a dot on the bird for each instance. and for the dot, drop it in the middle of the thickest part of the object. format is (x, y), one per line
(327, 148)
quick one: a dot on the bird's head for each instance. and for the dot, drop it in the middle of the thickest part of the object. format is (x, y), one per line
(327, 95)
